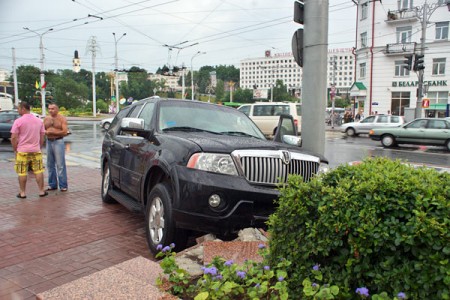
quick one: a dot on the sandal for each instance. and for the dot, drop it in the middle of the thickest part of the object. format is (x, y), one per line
(44, 194)
(20, 196)
(64, 190)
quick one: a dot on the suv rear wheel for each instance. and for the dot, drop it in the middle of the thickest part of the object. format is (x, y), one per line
(160, 227)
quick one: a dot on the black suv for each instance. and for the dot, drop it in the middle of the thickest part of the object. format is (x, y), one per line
(190, 165)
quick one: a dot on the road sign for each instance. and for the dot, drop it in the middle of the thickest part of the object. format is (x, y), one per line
(425, 103)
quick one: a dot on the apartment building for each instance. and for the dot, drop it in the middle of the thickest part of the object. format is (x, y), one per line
(389, 30)
(261, 73)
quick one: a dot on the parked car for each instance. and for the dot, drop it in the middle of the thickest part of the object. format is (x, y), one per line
(366, 124)
(7, 119)
(423, 131)
(195, 166)
(266, 114)
(106, 123)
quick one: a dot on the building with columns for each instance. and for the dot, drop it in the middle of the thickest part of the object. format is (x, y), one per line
(389, 30)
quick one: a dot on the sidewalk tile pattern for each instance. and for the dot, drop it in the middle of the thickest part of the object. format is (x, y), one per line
(49, 241)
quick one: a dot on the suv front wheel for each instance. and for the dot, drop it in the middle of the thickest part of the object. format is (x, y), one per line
(160, 228)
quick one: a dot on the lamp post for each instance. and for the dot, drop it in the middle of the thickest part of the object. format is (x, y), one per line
(41, 47)
(116, 63)
(192, 73)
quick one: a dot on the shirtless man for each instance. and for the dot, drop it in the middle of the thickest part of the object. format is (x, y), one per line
(55, 130)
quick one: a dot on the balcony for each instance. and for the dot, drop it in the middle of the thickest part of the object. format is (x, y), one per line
(400, 49)
(402, 16)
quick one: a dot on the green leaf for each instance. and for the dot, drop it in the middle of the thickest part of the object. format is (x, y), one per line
(202, 296)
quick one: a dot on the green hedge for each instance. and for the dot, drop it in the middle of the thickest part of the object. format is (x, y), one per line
(381, 224)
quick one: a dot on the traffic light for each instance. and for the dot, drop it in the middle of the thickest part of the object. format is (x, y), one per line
(408, 62)
(418, 62)
(297, 38)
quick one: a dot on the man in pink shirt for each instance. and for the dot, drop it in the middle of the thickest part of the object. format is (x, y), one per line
(27, 138)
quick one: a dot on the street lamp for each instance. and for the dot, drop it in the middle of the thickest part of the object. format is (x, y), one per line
(41, 47)
(192, 72)
(116, 61)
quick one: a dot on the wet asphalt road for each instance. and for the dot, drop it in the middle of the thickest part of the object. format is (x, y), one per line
(83, 147)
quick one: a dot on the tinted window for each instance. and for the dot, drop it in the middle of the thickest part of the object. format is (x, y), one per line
(437, 124)
(135, 112)
(418, 124)
(119, 117)
(245, 109)
(299, 109)
(369, 119)
(395, 119)
(270, 110)
(147, 113)
(383, 119)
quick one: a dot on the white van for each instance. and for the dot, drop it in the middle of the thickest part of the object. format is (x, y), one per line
(266, 114)
(6, 102)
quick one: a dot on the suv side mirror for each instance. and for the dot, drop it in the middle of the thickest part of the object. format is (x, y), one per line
(287, 132)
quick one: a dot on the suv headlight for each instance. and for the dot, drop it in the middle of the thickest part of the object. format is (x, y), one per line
(213, 162)
(323, 168)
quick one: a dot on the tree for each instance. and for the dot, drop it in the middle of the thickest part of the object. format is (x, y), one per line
(220, 90)
(203, 78)
(227, 73)
(26, 78)
(280, 92)
(138, 87)
(243, 96)
(69, 93)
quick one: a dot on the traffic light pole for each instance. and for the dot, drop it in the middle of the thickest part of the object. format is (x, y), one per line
(418, 110)
(315, 84)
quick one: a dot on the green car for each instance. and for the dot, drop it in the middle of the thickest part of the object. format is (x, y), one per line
(423, 131)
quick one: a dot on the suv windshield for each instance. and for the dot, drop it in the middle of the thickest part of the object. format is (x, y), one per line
(181, 116)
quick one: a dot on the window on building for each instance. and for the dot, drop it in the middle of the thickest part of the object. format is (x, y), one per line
(441, 31)
(438, 66)
(404, 34)
(405, 4)
(364, 8)
(399, 69)
(364, 39)
(399, 100)
(362, 70)
(438, 97)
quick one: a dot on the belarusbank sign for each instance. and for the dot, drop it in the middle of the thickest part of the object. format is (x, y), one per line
(416, 83)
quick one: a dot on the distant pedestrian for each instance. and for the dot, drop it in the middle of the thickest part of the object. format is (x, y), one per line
(27, 138)
(56, 129)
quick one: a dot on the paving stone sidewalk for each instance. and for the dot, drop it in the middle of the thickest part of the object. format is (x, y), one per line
(49, 241)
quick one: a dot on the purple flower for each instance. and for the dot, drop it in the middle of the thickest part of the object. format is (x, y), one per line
(166, 249)
(257, 285)
(241, 274)
(363, 291)
(261, 246)
(401, 295)
(314, 284)
(281, 278)
(219, 277)
(159, 247)
(172, 245)
(316, 267)
(228, 263)
(267, 268)
(212, 271)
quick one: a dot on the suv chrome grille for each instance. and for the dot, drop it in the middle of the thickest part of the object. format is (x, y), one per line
(273, 166)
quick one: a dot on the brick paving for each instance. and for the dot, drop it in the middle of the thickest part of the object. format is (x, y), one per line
(46, 242)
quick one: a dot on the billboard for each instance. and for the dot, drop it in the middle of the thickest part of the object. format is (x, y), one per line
(260, 93)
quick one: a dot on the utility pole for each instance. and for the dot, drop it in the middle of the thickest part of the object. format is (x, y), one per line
(315, 63)
(93, 47)
(192, 73)
(16, 91)
(424, 13)
(116, 71)
(41, 48)
(333, 89)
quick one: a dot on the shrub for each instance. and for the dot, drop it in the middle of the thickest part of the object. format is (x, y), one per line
(383, 225)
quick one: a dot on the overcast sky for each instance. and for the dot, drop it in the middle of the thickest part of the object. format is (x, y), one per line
(227, 30)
